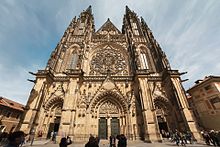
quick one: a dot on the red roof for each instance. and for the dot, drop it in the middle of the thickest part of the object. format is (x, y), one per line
(11, 104)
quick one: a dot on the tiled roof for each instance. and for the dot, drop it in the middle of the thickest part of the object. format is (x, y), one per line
(11, 104)
(205, 80)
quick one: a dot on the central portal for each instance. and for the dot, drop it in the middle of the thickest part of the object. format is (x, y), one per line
(109, 117)
(113, 128)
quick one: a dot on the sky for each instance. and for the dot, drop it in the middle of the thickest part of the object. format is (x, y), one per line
(187, 30)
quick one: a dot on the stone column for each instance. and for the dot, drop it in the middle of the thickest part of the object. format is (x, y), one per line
(134, 123)
(47, 122)
(109, 126)
(72, 125)
(33, 105)
(44, 126)
(124, 125)
(180, 93)
(40, 121)
(68, 106)
(129, 127)
(152, 129)
(121, 124)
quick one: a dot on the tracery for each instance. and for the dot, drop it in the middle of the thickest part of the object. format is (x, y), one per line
(108, 60)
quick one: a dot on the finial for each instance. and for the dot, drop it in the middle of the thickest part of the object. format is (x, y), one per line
(127, 9)
(89, 9)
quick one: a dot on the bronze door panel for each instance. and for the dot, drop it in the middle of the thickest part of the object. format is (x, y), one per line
(115, 126)
(103, 128)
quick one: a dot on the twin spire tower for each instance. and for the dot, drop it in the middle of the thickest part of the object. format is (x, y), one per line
(107, 82)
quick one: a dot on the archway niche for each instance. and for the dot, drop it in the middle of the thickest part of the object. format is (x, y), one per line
(52, 117)
(165, 116)
(111, 111)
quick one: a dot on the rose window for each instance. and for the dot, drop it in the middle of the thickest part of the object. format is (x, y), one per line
(108, 60)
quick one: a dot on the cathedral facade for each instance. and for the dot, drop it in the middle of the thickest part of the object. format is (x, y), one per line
(107, 82)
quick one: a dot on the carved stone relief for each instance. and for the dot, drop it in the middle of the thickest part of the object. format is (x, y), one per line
(108, 60)
(108, 108)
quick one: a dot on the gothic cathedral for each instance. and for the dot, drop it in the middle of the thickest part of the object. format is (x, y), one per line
(107, 82)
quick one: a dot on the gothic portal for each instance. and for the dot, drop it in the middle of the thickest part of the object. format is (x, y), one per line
(107, 82)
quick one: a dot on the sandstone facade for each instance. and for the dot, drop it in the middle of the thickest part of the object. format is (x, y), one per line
(107, 82)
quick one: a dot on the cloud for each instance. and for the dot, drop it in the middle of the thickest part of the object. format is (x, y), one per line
(188, 32)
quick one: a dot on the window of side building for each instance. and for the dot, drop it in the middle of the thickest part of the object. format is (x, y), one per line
(215, 102)
(17, 116)
(208, 87)
(8, 114)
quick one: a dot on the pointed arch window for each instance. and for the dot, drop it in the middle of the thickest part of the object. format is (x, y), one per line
(135, 28)
(144, 60)
(74, 61)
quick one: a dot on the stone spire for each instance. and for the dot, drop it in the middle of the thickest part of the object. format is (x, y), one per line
(79, 28)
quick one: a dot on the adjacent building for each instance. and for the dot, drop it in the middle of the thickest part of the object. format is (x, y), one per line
(10, 114)
(107, 82)
(205, 101)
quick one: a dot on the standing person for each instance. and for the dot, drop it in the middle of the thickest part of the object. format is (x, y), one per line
(31, 137)
(112, 141)
(122, 141)
(177, 137)
(65, 141)
(214, 139)
(206, 136)
(218, 136)
(3, 138)
(51, 135)
(54, 137)
(92, 142)
(15, 139)
(97, 139)
(182, 138)
(189, 137)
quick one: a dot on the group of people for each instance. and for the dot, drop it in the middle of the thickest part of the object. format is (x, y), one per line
(94, 141)
(211, 137)
(180, 138)
(15, 139)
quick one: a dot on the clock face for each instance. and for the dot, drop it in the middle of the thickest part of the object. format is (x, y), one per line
(108, 60)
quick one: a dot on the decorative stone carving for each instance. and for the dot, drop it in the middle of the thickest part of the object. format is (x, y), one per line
(157, 91)
(53, 103)
(58, 111)
(131, 94)
(108, 60)
(108, 108)
(108, 27)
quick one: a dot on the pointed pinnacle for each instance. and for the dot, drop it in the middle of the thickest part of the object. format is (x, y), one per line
(127, 9)
(89, 9)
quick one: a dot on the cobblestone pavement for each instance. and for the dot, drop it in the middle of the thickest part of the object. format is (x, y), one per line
(104, 143)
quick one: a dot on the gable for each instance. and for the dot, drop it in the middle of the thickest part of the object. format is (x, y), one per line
(108, 27)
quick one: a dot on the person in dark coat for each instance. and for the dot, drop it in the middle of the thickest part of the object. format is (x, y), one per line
(214, 138)
(92, 142)
(15, 139)
(112, 141)
(65, 141)
(122, 141)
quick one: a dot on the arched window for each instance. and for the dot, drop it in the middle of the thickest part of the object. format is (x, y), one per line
(144, 60)
(74, 61)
